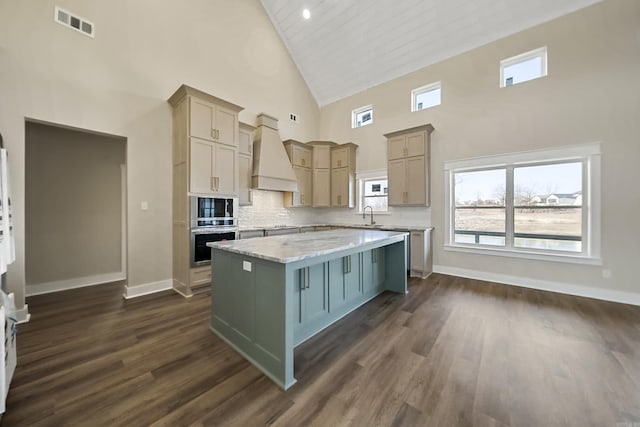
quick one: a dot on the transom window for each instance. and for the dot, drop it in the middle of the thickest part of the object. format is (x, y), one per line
(534, 203)
(426, 96)
(521, 68)
(362, 116)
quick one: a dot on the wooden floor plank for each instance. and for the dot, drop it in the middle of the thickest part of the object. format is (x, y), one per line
(453, 351)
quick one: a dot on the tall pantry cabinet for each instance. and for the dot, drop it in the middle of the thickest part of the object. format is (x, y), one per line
(205, 162)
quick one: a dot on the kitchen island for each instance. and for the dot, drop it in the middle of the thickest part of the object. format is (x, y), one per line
(271, 294)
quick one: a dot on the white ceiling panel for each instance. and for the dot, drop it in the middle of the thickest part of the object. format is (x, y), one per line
(351, 45)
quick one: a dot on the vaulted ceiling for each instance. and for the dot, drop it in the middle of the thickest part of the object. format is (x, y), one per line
(348, 46)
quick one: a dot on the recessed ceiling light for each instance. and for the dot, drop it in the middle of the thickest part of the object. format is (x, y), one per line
(306, 14)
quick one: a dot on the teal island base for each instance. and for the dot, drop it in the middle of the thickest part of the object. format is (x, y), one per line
(273, 293)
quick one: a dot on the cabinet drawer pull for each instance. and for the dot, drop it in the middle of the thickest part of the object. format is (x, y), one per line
(302, 162)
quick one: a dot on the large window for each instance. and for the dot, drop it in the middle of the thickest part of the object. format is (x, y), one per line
(537, 204)
(521, 68)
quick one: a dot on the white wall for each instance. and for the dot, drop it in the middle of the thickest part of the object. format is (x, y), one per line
(592, 93)
(118, 83)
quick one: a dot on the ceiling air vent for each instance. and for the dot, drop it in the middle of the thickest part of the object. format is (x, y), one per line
(74, 22)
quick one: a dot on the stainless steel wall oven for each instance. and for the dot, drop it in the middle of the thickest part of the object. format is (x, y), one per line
(212, 220)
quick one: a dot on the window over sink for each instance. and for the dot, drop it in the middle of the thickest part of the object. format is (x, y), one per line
(373, 190)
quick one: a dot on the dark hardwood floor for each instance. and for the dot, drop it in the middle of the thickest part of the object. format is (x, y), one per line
(453, 352)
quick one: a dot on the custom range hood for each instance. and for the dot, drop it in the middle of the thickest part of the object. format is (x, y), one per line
(272, 169)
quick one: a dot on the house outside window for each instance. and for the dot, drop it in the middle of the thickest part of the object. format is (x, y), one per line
(362, 116)
(524, 67)
(543, 204)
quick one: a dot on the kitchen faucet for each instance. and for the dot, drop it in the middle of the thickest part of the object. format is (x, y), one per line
(364, 214)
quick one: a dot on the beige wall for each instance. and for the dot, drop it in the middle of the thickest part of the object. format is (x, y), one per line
(73, 204)
(118, 83)
(592, 93)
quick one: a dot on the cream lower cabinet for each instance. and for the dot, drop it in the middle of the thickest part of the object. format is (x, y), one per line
(213, 168)
(408, 166)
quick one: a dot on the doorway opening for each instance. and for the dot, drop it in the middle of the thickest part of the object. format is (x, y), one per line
(75, 208)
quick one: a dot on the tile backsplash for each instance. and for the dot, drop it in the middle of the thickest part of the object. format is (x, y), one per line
(268, 209)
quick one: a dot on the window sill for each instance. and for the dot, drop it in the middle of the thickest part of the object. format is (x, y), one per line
(560, 257)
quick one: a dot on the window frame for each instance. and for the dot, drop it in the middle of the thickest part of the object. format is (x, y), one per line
(359, 110)
(540, 52)
(424, 89)
(588, 154)
(373, 175)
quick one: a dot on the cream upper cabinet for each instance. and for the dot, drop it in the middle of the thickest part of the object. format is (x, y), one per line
(245, 164)
(396, 181)
(343, 175)
(321, 188)
(300, 158)
(339, 157)
(303, 196)
(213, 122)
(213, 168)
(321, 155)
(340, 187)
(409, 145)
(408, 166)
(245, 144)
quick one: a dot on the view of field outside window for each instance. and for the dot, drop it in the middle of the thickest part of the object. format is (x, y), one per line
(548, 206)
(547, 211)
(480, 207)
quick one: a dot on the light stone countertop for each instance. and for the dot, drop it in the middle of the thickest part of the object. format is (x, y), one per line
(357, 226)
(296, 247)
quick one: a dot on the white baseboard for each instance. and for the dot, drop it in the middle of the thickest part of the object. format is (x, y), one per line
(147, 288)
(22, 315)
(543, 285)
(78, 282)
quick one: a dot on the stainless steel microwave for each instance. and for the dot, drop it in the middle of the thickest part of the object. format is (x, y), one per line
(213, 212)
